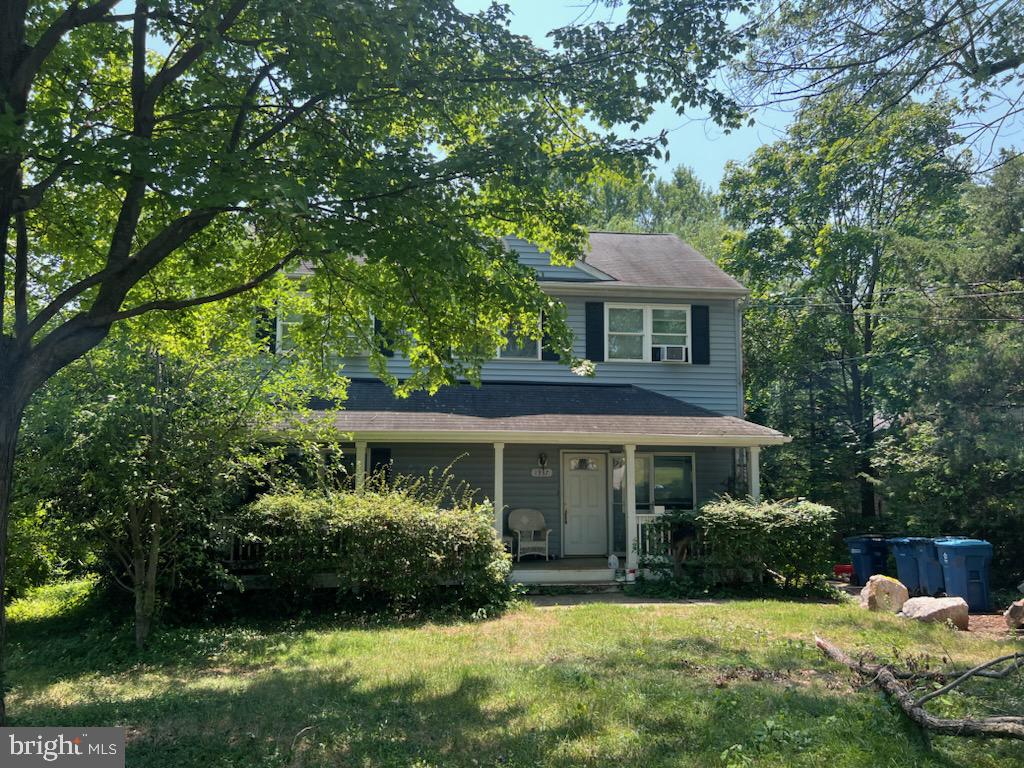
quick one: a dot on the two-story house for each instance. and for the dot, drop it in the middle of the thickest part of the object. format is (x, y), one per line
(660, 426)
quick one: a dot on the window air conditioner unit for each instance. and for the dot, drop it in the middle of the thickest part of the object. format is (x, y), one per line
(670, 353)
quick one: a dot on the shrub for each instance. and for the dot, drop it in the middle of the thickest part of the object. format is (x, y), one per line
(739, 541)
(381, 547)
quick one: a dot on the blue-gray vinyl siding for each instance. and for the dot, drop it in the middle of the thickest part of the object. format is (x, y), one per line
(531, 256)
(474, 464)
(715, 386)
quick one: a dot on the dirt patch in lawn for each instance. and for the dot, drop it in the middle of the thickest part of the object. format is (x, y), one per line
(992, 625)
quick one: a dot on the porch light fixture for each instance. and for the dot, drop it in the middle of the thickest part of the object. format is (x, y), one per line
(542, 460)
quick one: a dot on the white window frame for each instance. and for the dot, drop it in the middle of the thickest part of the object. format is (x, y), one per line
(649, 332)
(540, 346)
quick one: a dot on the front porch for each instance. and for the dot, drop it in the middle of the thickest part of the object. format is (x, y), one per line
(591, 466)
(564, 571)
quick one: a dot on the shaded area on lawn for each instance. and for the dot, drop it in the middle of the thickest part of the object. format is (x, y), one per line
(703, 685)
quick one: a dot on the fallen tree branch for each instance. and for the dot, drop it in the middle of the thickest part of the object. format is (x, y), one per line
(1016, 658)
(1006, 727)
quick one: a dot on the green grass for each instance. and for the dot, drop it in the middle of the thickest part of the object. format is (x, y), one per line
(730, 684)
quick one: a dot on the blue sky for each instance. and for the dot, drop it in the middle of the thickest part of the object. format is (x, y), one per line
(693, 140)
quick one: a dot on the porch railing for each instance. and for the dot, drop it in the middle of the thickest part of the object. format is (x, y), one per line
(653, 539)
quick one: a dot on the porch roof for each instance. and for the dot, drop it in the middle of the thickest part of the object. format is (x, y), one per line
(556, 413)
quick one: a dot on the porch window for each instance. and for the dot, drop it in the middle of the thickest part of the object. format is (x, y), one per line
(662, 479)
(673, 481)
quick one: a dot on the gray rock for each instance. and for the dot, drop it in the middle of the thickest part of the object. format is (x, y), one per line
(938, 609)
(883, 593)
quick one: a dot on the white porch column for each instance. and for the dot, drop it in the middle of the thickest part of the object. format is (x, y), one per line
(630, 503)
(360, 464)
(499, 488)
(754, 470)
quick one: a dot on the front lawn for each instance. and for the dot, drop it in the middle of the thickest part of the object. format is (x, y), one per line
(731, 684)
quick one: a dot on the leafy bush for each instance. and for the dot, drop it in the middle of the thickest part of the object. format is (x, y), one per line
(380, 547)
(739, 542)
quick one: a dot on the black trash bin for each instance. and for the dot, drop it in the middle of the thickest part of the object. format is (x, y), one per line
(869, 554)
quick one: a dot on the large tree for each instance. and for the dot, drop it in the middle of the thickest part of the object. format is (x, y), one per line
(831, 216)
(637, 201)
(956, 463)
(890, 54)
(162, 154)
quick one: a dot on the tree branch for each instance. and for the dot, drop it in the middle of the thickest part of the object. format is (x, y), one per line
(75, 16)
(20, 275)
(1007, 727)
(166, 305)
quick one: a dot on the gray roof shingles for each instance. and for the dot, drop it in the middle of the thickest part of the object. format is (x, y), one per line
(655, 261)
(518, 407)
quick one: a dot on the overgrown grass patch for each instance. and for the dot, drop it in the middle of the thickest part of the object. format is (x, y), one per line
(730, 684)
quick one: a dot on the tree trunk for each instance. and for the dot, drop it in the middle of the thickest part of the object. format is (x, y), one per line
(863, 418)
(144, 576)
(10, 421)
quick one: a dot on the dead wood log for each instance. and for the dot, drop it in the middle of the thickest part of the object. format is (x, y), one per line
(1005, 727)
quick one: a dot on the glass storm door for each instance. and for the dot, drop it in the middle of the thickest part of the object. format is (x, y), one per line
(585, 504)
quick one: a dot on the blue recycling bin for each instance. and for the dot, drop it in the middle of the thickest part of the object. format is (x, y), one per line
(965, 566)
(907, 570)
(869, 555)
(928, 566)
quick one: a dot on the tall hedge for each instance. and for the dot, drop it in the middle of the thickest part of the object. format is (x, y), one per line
(733, 541)
(791, 540)
(380, 546)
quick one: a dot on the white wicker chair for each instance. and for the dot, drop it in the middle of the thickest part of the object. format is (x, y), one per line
(527, 525)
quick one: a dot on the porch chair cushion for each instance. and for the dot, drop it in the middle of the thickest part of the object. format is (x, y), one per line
(527, 525)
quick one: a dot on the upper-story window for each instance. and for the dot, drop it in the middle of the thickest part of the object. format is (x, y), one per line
(520, 349)
(357, 338)
(647, 333)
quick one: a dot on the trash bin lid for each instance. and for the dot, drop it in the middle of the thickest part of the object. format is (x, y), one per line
(954, 541)
(864, 537)
(900, 540)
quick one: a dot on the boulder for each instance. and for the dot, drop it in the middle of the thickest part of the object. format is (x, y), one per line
(1014, 615)
(883, 593)
(940, 609)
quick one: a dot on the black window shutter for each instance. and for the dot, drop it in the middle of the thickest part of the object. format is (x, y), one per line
(595, 331)
(701, 344)
(385, 348)
(546, 353)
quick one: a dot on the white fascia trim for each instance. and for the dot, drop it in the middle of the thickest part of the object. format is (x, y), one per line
(595, 289)
(566, 438)
(593, 271)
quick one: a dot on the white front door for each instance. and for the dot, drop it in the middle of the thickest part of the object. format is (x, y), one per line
(585, 504)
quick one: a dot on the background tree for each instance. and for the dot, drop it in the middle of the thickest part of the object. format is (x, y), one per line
(891, 53)
(158, 155)
(637, 201)
(829, 215)
(956, 464)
